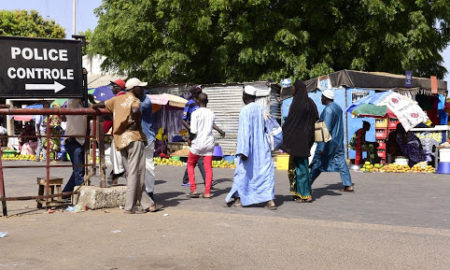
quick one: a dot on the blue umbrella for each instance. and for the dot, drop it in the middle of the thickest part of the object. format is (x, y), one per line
(103, 93)
(35, 106)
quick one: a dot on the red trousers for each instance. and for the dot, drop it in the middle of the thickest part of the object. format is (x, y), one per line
(207, 161)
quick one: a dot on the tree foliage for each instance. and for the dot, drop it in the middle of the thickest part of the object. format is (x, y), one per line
(28, 24)
(171, 41)
(87, 49)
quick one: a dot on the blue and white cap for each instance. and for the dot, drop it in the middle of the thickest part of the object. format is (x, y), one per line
(286, 83)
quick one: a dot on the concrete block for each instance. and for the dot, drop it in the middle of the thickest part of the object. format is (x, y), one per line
(97, 198)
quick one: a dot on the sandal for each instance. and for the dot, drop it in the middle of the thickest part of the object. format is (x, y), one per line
(235, 203)
(271, 205)
(207, 196)
(155, 208)
(141, 211)
(132, 212)
(194, 194)
(347, 189)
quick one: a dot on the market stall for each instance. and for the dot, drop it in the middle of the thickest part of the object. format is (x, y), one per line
(432, 138)
(225, 100)
(389, 109)
(171, 135)
(351, 86)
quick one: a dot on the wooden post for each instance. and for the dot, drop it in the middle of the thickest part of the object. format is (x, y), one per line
(2, 184)
(101, 149)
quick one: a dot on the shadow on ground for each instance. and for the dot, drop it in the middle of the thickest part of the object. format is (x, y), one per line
(170, 199)
(329, 190)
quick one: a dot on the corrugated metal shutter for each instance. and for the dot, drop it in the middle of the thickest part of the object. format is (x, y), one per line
(226, 103)
(177, 90)
(275, 104)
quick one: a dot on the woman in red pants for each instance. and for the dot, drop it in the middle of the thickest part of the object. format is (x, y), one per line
(202, 144)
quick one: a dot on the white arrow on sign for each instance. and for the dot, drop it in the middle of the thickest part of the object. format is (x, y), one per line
(56, 86)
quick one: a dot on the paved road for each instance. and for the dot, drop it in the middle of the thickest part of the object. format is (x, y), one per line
(392, 221)
(418, 200)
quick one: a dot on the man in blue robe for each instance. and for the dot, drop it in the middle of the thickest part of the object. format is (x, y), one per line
(254, 175)
(330, 156)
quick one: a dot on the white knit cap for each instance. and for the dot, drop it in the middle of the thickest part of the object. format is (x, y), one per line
(250, 90)
(328, 94)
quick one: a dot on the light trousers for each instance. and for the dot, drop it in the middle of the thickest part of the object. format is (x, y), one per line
(116, 159)
(149, 168)
(133, 157)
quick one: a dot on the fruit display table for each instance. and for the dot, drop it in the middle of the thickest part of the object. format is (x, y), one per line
(421, 167)
(175, 146)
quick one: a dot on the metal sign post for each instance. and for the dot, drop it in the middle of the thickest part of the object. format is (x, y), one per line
(40, 68)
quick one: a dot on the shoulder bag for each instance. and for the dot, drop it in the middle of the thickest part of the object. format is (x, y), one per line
(321, 133)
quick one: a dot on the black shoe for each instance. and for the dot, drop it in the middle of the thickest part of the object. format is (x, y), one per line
(118, 175)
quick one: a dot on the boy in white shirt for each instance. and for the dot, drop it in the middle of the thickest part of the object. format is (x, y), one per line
(202, 144)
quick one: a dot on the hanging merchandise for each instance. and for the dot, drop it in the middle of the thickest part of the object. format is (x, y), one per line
(442, 114)
(407, 111)
(390, 104)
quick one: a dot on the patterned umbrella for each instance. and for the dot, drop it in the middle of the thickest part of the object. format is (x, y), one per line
(390, 104)
(171, 100)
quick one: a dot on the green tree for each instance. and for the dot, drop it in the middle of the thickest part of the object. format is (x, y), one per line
(28, 24)
(87, 49)
(173, 41)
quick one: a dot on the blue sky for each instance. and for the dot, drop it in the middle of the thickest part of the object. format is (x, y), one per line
(61, 12)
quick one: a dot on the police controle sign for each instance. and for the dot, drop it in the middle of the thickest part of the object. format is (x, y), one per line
(40, 68)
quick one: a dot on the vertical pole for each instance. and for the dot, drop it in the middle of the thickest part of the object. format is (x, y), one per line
(101, 148)
(94, 146)
(346, 124)
(87, 144)
(85, 88)
(2, 184)
(74, 17)
(47, 161)
(9, 122)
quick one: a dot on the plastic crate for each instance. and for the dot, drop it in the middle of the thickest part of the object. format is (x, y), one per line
(381, 133)
(393, 123)
(381, 123)
(391, 129)
(382, 154)
(283, 162)
(381, 144)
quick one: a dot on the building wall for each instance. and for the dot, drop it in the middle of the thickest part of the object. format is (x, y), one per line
(226, 103)
(340, 98)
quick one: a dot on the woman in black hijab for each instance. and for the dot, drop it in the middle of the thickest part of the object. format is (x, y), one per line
(298, 138)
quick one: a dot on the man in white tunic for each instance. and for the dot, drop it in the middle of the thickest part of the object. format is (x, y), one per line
(202, 144)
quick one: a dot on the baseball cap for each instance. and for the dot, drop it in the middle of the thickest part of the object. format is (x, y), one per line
(118, 82)
(133, 82)
(285, 83)
(328, 94)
